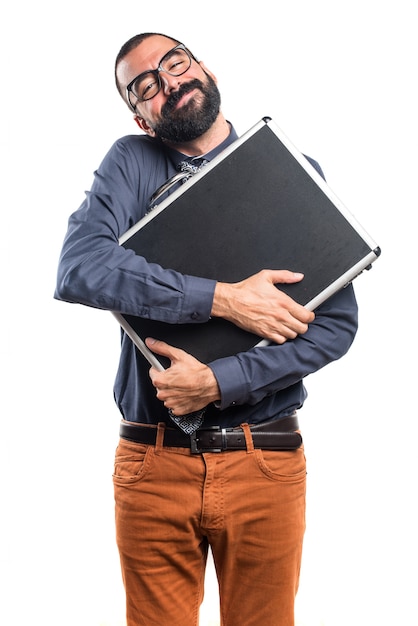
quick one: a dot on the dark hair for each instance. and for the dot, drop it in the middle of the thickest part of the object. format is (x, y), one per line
(132, 43)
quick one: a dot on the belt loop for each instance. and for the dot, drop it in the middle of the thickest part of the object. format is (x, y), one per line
(248, 438)
(159, 442)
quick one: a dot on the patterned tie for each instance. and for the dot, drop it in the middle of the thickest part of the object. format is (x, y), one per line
(190, 422)
(191, 165)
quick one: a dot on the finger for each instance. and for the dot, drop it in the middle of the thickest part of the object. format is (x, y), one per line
(300, 317)
(285, 276)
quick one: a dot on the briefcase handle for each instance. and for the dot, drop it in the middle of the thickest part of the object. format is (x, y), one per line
(162, 189)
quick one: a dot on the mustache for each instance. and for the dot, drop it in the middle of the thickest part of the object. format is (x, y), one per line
(174, 98)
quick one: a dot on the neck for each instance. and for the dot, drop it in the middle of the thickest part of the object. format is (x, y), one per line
(216, 134)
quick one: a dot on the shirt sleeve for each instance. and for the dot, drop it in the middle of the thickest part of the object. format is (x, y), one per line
(96, 271)
(249, 377)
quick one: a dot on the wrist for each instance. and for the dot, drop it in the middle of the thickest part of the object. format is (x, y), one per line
(220, 300)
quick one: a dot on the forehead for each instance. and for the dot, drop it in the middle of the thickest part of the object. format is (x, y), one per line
(145, 56)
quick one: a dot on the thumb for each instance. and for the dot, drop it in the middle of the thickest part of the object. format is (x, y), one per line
(161, 347)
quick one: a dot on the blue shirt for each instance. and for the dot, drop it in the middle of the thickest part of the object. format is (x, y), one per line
(94, 270)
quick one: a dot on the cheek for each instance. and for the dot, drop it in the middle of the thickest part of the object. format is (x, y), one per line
(150, 111)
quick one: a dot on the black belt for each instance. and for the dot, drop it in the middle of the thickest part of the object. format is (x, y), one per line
(278, 434)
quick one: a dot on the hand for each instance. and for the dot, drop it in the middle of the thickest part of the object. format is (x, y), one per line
(187, 385)
(256, 305)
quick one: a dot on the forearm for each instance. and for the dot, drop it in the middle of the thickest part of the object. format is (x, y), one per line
(249, 377)
(109, 277)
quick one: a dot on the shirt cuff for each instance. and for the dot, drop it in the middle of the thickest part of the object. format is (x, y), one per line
(232, 383)
(198, 300)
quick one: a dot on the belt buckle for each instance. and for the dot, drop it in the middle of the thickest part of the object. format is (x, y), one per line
(194, 440)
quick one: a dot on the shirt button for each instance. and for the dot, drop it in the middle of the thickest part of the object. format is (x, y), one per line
(195, 316)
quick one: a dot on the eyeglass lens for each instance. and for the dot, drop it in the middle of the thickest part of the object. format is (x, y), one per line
(147, 85)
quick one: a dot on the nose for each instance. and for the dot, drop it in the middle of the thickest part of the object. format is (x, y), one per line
(169, 83)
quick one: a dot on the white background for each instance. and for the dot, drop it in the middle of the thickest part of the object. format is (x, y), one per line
(339, 78)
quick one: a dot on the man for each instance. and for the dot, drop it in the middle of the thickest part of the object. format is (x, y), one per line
(247, 503)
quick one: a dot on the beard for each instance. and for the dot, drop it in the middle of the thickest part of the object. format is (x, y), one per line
(190, 121)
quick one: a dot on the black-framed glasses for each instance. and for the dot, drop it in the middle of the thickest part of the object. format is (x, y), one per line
(147, 84)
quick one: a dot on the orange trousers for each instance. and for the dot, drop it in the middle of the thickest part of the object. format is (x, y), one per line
(248, 505)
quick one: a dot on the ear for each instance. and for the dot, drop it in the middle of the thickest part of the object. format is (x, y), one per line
(205, 69)
(144, 126)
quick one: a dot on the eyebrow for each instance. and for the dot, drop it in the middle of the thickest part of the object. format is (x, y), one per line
(176, 45)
